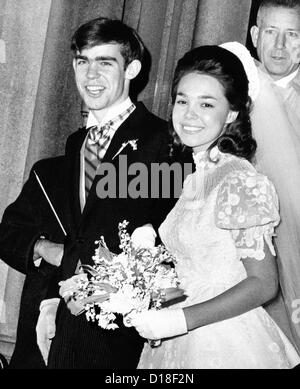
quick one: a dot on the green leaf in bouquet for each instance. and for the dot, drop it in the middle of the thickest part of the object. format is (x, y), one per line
(103, 286)
(104, 252)
(89, 270)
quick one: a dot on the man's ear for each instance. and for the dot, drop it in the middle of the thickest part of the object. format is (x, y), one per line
(133, 69)
(74, 64)
(254, 31)
(232, 115)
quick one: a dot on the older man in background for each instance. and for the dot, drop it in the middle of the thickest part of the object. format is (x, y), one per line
(277, 40)
(276, 127)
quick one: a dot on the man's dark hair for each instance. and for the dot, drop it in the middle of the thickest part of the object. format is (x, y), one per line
(104, 31)
(278, 3)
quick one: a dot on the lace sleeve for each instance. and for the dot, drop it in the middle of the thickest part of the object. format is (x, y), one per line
(247, 204)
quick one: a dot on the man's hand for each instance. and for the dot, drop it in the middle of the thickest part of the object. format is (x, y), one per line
(45, 328)
(51, 252)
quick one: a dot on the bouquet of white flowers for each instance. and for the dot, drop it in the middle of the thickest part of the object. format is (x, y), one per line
(134, 280)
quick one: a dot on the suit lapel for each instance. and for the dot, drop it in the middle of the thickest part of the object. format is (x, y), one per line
(73, 175)
(127, 131)
(130, 129)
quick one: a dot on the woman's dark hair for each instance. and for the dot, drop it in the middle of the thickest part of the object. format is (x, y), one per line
(224, 66)
(103, 31)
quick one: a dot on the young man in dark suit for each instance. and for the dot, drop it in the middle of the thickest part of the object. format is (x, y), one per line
(107, 57)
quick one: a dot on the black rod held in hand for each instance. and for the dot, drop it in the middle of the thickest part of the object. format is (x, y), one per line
(49, 202)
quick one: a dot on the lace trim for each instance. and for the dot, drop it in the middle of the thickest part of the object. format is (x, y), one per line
(250, 242)
(208, 175)
(246, 199)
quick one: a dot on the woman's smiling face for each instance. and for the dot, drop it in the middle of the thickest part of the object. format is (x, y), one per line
(201, 110)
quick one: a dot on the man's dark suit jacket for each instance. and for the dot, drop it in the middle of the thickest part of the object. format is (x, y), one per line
(30, 216)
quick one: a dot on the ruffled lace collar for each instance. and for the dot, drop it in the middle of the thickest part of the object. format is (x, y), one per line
(212, 159)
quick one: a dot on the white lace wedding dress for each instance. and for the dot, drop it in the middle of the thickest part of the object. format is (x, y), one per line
(226, 212)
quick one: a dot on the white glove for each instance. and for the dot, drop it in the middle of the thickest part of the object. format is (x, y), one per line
(45, 328)
(144, 236)
(164, 323)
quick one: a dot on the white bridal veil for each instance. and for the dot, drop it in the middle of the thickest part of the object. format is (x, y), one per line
(276, 128)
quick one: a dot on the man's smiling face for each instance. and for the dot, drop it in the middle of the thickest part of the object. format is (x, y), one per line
(101, 76)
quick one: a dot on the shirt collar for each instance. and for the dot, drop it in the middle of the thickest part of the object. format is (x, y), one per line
(283, 82)
(110, 114)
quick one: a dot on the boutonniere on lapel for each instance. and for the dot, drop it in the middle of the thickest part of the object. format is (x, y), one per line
(132, 143)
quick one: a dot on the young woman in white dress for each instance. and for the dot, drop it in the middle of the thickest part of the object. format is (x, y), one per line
(220, 231)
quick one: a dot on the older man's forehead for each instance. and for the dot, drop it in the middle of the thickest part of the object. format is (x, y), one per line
(288, 18)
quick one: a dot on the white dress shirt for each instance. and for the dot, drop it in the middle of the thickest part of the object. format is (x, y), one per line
(283, 82)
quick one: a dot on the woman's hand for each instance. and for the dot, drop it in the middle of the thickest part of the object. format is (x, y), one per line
(164, 323)
(144, 236)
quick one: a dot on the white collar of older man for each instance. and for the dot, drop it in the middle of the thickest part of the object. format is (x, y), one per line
(283, 82)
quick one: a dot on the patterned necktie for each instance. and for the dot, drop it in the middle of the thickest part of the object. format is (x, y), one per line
(96, 145)
(94, 151)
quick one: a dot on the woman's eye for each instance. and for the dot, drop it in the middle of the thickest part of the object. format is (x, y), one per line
(207, 105)
(181, 102)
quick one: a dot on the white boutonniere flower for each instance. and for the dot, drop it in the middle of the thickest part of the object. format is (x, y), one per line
(132, 143)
